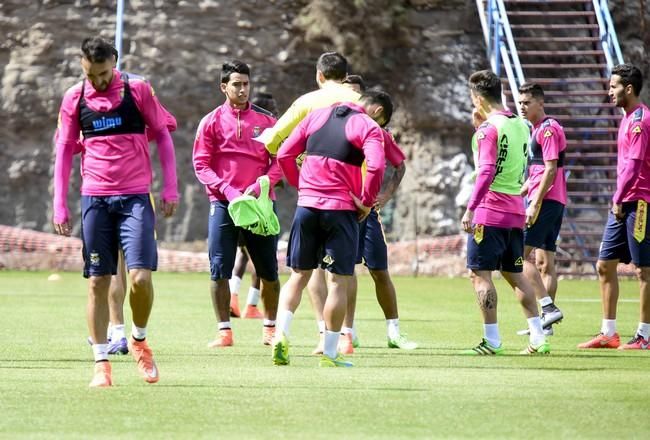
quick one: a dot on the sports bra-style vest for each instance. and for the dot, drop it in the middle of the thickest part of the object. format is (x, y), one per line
(536, 157)
(330, 140)
(124, 119)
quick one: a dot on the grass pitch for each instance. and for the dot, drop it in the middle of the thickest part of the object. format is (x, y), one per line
(432, 392)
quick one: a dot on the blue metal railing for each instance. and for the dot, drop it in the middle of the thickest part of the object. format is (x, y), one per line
(607, 34)
(119, 18)
(501, 48)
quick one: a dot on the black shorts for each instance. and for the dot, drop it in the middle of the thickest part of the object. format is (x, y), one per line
(494, 248)
(544, 232)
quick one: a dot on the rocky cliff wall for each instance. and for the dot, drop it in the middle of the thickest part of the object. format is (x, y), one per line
(421, 51)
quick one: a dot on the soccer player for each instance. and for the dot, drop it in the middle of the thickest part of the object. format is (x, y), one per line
(331, 200)
(112, 110)
(495, 214)
(228, 162)
(331, 71)
(546, 190)
(626, 235)
(267, 102)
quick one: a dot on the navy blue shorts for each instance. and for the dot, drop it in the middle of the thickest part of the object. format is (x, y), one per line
(619, 242)
(544, 232)
(372, 251)
(111, 222)
(494, 248)
(223, 238)
(328, 238)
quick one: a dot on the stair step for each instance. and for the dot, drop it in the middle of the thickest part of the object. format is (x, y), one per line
(564, 66)
(558, 40)
(591, 156)
(592, 130)
(590, 118)
(579, 105)
(591, 167)
(589, 180)
(548, 93)
(559, 53)
(574, 143)
(554, 26)
(588, 194)
(582, 221)
(556, 14)
(571, 80)
(593, 206)
(583, 233)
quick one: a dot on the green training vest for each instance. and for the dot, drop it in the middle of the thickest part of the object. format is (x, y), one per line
(512, 145)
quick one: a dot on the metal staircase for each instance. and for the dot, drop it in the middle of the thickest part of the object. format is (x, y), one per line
(568, 47)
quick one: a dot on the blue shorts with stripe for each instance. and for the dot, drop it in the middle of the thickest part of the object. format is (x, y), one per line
(373, 251)
(112, 222)
(323, 238)
(619, 242)
(223, 239)
(544, 232)
(494, 248)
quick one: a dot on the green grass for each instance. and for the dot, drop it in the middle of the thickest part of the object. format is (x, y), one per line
(432, 392)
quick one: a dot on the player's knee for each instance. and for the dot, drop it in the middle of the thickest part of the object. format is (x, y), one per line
(603, 268)
(141, 279)
(643, 274)
(380, 276)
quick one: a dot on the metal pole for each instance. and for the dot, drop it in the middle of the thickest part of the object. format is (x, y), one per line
(118, 31)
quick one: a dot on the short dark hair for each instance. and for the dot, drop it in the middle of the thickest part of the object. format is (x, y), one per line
(266, 101)
(379, 97)
(533, 89)
(630, 75)
(97, 50)
(485, 83)
(355, 79)
(333, 65)
(233, 66)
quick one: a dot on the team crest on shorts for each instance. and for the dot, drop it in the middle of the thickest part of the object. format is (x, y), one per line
(256, 131)
(478, 234)
(327, 259)
(519, 262)
(94, 259)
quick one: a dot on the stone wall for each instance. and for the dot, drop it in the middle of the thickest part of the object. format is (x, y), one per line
(420, 51)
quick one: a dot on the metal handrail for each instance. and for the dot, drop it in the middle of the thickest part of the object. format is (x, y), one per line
(607, 34)
(501, 48)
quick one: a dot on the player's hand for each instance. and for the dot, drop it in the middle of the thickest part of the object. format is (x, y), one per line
(168, 208)
(531, 213)
(63, 228)
(253, 190)
(382, 199)
(524, 189)
(466, 221)
(617, 210)
(362, 210)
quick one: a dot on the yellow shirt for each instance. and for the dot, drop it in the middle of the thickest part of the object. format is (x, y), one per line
(330, 94)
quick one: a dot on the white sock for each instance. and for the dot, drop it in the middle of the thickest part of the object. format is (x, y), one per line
(491, 334)
(284, 321)
(109, 331)
(234, 283)
(253, 296)
(354, 331)
(392, 326)
(346, 330)
(268, 322)
(224, 325)
(321, 326)
(608, 327)
(643, 330)
(545, 301)
(138, 332)
(100, 351)
(536, 333)
(117, 332)
(331, 344)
